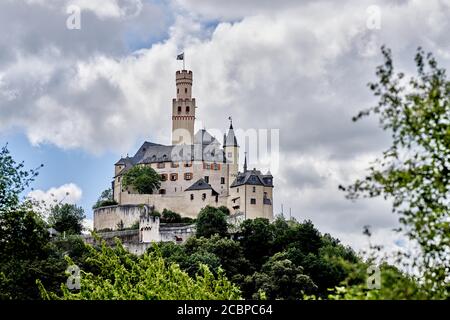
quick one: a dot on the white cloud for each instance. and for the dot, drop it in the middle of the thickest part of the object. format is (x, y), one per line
(88, 225)
(67, 193)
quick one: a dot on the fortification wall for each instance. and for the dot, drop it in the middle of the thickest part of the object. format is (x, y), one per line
(109, 217)
(181, 204)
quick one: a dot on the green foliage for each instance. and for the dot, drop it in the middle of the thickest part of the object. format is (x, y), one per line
(13, 180)
(143, 179)
(105, 199)
(279, 278)
(225, 210)
(257, 238)
(211, 221)
(228, 252)
(148, 277)
(67, 218)
(23, 233)
(415, 170)
(395, 285)
(187, 220)
(261, 250)
(155, 213)
(169, 216)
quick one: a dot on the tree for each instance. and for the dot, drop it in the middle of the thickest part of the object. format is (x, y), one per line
(224, 209)
(25, 254)
(228, 252)
(124, 276)
(415, 170)
(170, 216)
(67, 218)
(211, 221)
(395, 285)
(256, 238)
(279, 278)
(143, 179)
(105, 199)
(13, 180)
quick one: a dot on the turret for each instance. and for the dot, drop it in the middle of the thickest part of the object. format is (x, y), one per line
(231, 149)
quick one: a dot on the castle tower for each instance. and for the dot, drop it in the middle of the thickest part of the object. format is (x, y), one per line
(231, 149)
(183, 109)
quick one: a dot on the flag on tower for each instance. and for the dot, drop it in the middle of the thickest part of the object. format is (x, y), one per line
(180, 56)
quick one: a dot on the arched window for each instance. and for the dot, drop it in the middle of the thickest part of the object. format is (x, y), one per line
(204, 196)
(179, 109)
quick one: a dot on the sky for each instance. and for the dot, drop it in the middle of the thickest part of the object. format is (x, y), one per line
(77, 99)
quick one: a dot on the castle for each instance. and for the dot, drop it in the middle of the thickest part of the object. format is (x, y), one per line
(196, 171)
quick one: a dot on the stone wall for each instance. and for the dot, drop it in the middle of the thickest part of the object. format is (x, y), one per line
(109, 217)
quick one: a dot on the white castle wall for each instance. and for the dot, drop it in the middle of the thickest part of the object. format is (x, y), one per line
(109, 217)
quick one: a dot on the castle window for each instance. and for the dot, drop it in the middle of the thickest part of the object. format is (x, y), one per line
(178, 90)
(254, 189)
(252, 201)
(216, 166)
(164, 177)
(188, 176)
(175, 189)
(203, 196)
(173, 176)
(188, 109)
(162, 191)
(179, 110)
(222, 180)
(174, 165)
(207, 179)
(188, 164)
(237, 190)
(118, 179)
(192, 196)
(185, 90)
(161, 165)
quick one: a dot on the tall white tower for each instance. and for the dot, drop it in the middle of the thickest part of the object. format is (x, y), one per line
(183, 110)
(231, 149)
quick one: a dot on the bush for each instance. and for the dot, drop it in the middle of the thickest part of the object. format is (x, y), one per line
(211, 221)
(169, 216)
